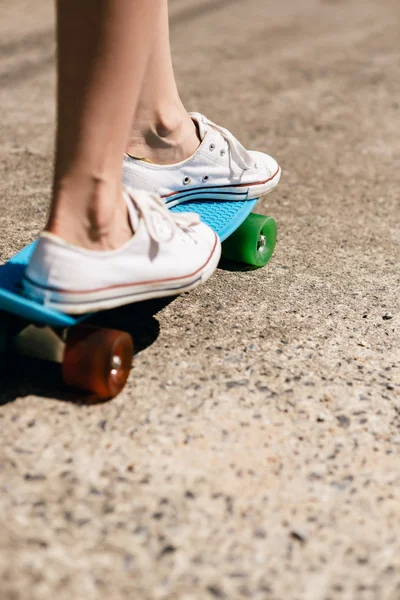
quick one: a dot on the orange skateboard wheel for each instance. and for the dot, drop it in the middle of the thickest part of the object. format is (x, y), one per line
(97, 360)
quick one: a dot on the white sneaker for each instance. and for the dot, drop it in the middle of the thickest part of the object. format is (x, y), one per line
(168, 254)
(220, 169)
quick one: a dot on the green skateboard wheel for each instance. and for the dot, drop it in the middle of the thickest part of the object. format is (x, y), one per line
(252, 243)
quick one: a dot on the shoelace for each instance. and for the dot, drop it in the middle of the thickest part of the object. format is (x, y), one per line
(149, 205)
(238, 152)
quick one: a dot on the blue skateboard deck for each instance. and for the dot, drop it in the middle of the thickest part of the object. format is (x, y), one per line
(12, 300)
(223, 217)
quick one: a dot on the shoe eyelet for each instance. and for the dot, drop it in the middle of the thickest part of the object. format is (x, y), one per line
(205, 178)
(186, 180)
(256, 165)
(223, 152)
(212, 147)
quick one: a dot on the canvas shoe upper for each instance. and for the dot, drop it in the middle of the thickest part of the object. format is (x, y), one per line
(220, 169)
(168, 254)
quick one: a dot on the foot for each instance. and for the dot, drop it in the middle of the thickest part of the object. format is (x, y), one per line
(220, 169)
(168, 254)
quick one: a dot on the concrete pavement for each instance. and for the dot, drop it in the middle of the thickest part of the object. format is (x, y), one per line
(255, 450)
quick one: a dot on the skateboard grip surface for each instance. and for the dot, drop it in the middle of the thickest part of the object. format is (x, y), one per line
(222, 216)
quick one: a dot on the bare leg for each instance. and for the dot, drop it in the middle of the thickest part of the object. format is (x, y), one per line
(161, 131)
(103, 52)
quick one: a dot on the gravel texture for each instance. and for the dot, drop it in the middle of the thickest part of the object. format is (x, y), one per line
(255, 450)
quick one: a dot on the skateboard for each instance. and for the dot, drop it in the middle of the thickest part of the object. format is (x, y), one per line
(98, 359)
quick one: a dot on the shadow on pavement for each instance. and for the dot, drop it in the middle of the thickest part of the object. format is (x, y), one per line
(230, 265)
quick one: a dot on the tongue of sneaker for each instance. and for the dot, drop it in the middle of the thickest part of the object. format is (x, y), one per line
(201, 125)
(132, 211)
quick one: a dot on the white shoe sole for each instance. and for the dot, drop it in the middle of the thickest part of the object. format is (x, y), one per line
(94, 301)
(241, 192)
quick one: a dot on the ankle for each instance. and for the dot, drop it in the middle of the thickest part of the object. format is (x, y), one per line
(93, 216)
(164, 136)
